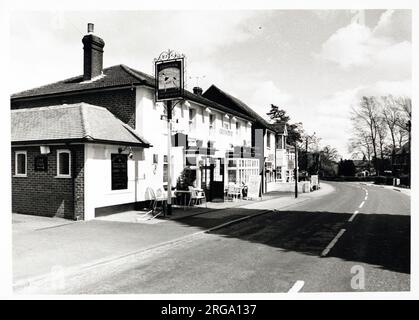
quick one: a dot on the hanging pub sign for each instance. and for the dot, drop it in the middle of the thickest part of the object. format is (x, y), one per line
(169, 75)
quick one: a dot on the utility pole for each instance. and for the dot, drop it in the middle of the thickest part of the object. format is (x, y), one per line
(296, 170)
(169, 157)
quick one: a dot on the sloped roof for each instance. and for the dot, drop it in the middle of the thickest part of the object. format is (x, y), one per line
(73, 122)
(212, 92)
(115, 76)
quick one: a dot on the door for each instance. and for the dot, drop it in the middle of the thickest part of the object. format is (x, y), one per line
(217, 180)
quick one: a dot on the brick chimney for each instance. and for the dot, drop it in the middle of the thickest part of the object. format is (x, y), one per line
(197, 91)
(93, 54)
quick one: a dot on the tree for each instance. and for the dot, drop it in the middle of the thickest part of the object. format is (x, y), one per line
(391, 116)
(328, 157)
(347, 168)
(295, 130)
(360, 144)
(279, 115)
(367, 116)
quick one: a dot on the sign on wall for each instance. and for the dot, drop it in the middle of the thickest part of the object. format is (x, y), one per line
(41, 163)
(169, 74)
(119, 171)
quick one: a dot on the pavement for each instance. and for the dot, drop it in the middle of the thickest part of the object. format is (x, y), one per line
(402, 190)
(354, 239)
(56, 248)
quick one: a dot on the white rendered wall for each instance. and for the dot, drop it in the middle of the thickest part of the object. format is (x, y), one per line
(142, 174)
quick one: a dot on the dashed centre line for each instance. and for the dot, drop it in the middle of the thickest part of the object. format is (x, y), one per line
(353, 216)
(342, 231)
(296, 287)
(333, 242)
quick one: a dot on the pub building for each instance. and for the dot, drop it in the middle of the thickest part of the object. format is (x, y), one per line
(96, 143)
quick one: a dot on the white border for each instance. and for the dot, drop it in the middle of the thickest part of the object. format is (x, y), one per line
(5, 219)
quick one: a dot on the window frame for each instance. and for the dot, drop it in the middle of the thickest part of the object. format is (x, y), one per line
(59, 175)
(16, 163)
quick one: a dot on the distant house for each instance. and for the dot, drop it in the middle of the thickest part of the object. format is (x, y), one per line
(363, 168)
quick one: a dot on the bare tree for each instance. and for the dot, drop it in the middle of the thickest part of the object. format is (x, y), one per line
(367, 115)
(391, 115)
(360, 144)
(405, 122)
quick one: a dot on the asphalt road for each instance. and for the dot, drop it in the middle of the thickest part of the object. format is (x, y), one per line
(316, 246)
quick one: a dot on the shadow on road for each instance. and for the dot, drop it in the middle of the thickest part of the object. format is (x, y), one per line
(377, 239)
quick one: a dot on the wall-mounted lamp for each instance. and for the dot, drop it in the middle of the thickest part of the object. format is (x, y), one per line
(130, 153)
(45, 149)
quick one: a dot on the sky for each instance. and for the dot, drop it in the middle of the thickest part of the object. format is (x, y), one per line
(315, 64)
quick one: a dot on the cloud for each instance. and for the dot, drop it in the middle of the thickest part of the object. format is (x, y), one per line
(356, 45)
(330, 119)
(266, 93)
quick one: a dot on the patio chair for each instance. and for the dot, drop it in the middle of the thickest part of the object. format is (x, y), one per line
(197, 196)
(233, 191)
(156, 198)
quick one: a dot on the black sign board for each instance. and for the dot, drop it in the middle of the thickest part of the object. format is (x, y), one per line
(41, 163)
(119, 171)
(169, 79)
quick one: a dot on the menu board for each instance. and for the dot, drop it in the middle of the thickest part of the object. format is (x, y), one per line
(119, 171)
(253, 186)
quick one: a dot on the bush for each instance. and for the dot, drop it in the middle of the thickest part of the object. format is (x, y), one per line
(404, 180)
(386, 180)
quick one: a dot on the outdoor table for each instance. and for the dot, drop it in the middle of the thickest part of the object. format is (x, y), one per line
(183, 193)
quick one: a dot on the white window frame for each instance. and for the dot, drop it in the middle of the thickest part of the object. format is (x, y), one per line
(59, 151)
(26, 163)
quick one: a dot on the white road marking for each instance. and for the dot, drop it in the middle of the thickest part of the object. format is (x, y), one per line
(332, 243)
(353, 216)
(296, 287)
(362, 204)
(366, 197)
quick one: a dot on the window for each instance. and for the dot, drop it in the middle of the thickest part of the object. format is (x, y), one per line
(165, 170)
(21, 163)
(211, 121)
(192, 113)
(237, 127)
(63, 163)
(119, 167)
(226, 122)
(268, 140)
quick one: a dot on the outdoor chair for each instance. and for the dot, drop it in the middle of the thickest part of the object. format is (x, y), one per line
(233, 191)
(156, 198)
(197, 196)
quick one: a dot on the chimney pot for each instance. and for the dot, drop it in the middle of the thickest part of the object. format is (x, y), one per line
(197, 91)
(90, 28)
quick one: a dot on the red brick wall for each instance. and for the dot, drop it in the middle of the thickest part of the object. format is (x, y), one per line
(40, 193)
(120, 102)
